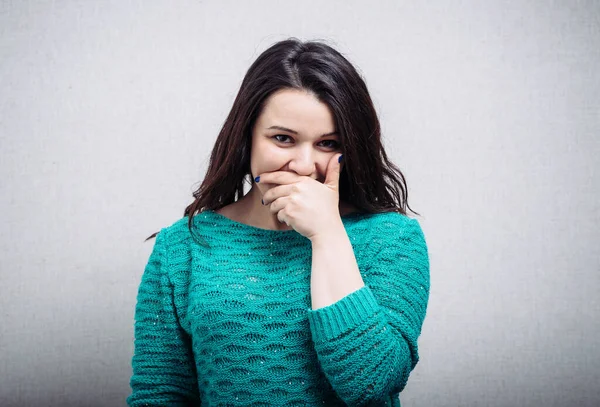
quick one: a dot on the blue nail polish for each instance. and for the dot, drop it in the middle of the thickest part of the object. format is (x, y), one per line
(257, 179)
(340, 159)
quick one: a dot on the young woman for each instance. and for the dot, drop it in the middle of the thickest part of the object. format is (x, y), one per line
(311, 288)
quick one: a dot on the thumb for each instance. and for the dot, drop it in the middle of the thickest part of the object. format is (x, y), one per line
(333, 171)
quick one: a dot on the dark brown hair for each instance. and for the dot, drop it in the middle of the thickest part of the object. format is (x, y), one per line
(369, 180)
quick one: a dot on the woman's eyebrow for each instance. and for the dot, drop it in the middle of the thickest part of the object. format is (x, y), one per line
(295, 132)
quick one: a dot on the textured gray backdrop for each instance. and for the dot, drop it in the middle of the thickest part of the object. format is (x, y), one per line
(108, 111)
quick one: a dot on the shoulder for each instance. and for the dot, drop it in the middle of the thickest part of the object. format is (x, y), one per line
(392, 231)
(390, 222)
(175, 231)
(178, 228)
(394, 222)
(175, 239)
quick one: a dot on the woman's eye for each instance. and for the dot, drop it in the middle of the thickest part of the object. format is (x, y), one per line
(279, 135)
(333, 145)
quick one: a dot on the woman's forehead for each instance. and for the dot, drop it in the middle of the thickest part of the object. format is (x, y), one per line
(296, 109)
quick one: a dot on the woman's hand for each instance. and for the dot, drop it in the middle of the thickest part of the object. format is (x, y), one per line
(308, 206)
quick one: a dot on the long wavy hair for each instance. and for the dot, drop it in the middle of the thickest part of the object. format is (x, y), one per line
(369, 180)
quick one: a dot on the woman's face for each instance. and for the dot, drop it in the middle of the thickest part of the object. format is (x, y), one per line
(295, 132)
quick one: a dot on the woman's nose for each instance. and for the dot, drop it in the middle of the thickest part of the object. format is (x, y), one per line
(303, 163)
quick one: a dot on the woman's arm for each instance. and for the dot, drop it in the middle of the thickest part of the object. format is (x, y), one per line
(164, 371)
(367, 341)
(334, 272)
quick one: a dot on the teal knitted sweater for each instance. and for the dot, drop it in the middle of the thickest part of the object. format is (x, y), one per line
(229, 322)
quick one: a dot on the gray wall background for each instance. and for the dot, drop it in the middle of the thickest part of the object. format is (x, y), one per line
(109, 110)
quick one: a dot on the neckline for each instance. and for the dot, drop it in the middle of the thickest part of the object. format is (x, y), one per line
(255, 229)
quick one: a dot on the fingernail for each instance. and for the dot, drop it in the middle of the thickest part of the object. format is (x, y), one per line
(257, 179)
(340, 159)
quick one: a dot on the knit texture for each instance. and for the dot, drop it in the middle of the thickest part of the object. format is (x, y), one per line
(231, 324)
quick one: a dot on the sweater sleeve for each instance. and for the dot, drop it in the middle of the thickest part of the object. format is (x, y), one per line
(163, 365)
(367, 341)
